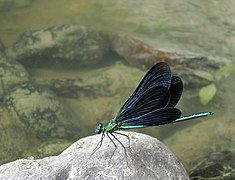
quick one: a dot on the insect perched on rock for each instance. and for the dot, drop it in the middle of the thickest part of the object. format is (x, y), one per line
(151, 104)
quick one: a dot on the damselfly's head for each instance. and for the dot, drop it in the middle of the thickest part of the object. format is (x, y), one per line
(99, 128)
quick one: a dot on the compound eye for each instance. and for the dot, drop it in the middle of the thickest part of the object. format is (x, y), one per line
(98, 131)
(98, 128)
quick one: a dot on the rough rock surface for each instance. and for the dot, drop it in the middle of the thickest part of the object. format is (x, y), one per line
(147, 158)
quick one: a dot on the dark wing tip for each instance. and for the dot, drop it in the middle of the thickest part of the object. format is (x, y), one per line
(176, 90)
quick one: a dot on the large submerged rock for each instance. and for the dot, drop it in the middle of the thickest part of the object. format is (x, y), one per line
(71, 45)
(40, 110)
(216, 165)
(64, 46)
(101, 82)
(2, 49)
(147, 158)
(12, 74)
(14, 137)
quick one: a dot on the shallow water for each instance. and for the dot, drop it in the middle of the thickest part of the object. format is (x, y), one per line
(204, 27)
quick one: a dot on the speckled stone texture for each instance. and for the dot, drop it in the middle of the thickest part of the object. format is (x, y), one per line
(147, 158)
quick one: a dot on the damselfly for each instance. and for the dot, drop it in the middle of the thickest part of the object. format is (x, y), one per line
(151, 104)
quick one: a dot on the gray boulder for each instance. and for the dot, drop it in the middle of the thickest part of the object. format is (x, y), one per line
(147, 158)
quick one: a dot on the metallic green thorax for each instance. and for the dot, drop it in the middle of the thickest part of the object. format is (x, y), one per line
(110, 127)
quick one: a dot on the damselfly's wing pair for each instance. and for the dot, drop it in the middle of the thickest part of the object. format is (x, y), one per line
(152, 103)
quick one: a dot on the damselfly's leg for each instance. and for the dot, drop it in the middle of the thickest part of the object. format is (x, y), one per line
(111, 140)
(98, 146)
(121, 145)
(122, 135)
(129, 142)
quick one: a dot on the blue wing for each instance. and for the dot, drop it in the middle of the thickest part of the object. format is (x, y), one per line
(154, 98)
(157, 93)
(176, 90)
(154, 118)
(158, 76)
